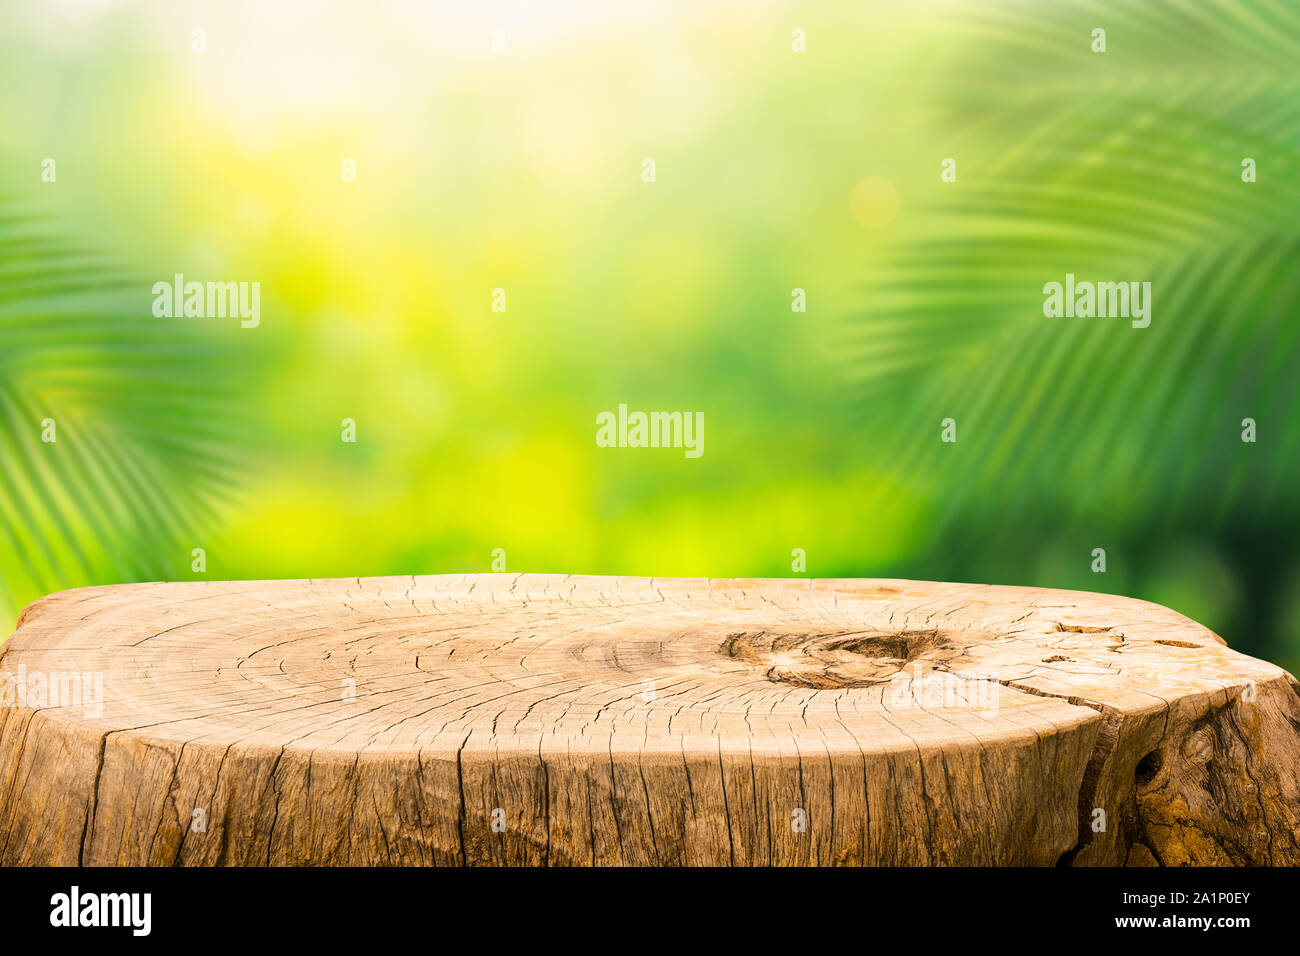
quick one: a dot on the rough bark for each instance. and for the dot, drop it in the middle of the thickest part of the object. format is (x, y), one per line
(549, 719)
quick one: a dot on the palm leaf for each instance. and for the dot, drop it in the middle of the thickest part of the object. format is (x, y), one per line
(1115, 167)
(143, 408)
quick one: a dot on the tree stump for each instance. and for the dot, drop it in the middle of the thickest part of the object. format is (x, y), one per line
(563, 720)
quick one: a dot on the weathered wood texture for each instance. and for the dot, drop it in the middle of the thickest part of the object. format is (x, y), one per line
(548, 719)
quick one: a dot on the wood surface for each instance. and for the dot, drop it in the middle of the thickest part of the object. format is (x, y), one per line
(566, 720)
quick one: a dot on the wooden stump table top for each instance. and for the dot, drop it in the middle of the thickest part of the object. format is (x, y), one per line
(552, 719)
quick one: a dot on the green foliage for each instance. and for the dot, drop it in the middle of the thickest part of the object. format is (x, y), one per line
(142, 455)
(476, 428)
(1120, 166)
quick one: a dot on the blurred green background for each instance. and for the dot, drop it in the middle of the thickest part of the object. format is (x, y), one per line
(776, 170)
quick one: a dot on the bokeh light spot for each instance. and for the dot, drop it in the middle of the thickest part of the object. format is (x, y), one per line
(875, 202)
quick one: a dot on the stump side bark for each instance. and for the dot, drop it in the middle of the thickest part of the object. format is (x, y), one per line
(551, 719)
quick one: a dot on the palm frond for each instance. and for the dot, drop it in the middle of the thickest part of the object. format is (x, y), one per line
(1122, 166)
(146, 449)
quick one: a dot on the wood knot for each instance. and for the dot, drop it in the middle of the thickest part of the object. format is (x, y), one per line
(837, 659)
